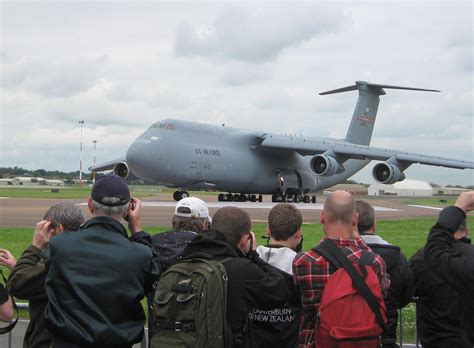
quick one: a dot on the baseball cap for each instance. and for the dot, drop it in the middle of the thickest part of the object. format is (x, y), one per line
(110, 186)
(192, 207)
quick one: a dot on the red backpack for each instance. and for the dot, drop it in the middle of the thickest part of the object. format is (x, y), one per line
(351, 311)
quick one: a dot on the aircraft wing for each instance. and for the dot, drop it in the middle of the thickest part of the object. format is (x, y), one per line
(349, 150)
(109, 165)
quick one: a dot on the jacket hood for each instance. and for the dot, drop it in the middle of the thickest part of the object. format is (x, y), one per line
(278, 257)
(207, 245)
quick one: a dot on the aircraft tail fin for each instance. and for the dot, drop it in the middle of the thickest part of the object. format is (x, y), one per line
(363, 120)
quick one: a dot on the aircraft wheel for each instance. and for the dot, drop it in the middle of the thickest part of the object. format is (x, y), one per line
(260, 198)
(221, 197)
(229, 197)
(313, 199)
(306, 199)
(296, 199)
(253, 198)
(184, 194)
(236, 198)
(274, 197)
(243, 198)
(176, 195)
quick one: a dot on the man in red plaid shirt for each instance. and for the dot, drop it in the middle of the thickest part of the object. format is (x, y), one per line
(311, 271)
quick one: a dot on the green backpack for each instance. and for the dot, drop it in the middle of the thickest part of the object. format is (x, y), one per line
(190, 306)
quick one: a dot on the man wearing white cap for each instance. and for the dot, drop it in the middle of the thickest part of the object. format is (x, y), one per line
(191, 217)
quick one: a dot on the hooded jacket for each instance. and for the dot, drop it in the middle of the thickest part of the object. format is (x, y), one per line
(451, 266)
(252, 282)
(400, 292)
(96, 279)
(279, 326)
(439, 304)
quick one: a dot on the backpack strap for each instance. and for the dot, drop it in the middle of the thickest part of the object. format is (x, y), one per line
(358, 282)
(9, 327)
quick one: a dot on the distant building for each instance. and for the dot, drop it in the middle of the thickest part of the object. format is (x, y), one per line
(353, 189)
(407, 187)
(52, 182)
(31, 181)
(448, 191)
(4, 182)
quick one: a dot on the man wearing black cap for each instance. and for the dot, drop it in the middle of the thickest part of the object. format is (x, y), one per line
(97, 276)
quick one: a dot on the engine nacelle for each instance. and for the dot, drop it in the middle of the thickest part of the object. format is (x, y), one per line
(387, 173)
(325, 165)
(121, 169)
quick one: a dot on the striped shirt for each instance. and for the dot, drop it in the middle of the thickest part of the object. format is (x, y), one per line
(311, 271)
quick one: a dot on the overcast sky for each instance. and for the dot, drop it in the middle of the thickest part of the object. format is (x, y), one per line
(120, 66)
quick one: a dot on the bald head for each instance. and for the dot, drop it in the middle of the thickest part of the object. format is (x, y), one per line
(339, 208)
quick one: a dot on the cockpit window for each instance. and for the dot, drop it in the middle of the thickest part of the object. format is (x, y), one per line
(163, 125)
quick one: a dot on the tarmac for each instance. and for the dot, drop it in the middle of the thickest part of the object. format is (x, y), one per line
(158, 210)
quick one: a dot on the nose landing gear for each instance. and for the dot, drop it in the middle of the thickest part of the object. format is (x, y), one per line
(179, 195)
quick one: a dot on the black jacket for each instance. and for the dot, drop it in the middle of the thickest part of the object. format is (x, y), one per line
(96, 279)
(400, 292)
(439, 304)
(252, 282)
(170, 245)
(450, 265)
(279, 326)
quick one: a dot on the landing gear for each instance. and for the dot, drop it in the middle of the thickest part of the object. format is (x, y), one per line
(278, 197)
(236, 197)
(179, 195)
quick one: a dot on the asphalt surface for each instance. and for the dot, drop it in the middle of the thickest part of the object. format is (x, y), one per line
(158, 211)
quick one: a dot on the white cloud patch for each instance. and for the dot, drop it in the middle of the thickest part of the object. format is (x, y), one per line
(256, 35)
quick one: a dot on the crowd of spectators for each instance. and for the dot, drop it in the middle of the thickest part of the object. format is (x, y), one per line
(85, 280)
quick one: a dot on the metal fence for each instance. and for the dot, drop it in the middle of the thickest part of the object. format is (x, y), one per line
(144, 342)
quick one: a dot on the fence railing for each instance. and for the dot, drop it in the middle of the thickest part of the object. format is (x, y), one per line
(144, 341)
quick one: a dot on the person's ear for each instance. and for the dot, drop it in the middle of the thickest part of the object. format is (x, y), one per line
(322, 217)
(355, 219)
(90, 205)
(243, 243)
(269, 232)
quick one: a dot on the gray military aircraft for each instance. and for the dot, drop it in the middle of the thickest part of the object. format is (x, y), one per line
(246, 164)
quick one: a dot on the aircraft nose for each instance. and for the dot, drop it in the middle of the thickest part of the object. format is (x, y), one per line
(139, 158)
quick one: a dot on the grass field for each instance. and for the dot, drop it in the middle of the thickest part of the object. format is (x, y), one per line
(410, 235)
(76, 192)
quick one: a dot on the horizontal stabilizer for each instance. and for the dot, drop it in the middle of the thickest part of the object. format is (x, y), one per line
(359, 84)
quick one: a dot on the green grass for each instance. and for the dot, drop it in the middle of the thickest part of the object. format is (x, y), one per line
(410, 235)
(430, 201)
(77, 192)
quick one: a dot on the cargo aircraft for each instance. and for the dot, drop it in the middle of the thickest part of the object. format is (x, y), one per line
(244, 164)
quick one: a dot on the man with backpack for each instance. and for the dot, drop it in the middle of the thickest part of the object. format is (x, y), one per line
(343, 314)
(191, 217)
(279, 326)
(400, 292)
(204, 300)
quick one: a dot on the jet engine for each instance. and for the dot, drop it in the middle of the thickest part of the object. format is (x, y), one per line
(387, 173)
(121, 169)
(325, 165)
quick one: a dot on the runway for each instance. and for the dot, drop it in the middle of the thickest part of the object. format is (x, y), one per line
(158, 210)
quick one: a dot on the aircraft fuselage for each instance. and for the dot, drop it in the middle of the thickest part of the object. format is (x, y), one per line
(191, 155)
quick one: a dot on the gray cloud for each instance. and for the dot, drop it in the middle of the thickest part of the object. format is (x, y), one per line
(62, 78)
(256, 35)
